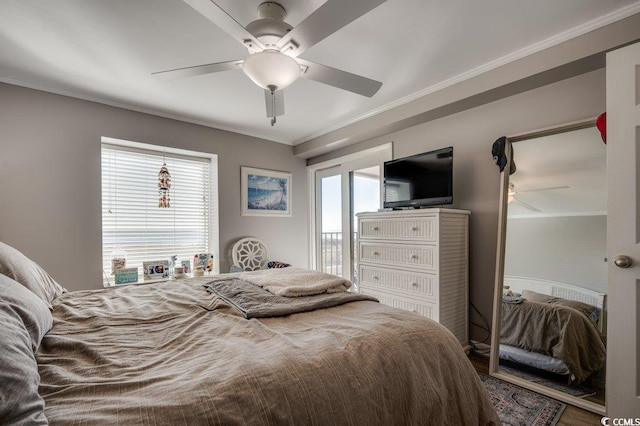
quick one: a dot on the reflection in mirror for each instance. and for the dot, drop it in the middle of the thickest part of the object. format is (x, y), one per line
(552, 320)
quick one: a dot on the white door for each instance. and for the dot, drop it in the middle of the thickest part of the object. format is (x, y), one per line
(623, 233)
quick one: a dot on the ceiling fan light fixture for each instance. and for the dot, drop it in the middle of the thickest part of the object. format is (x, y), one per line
(271, 70)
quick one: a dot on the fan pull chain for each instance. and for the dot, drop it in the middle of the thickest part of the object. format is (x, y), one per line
(273, 107)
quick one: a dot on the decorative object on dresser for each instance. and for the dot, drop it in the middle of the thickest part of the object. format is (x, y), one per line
(418, 260)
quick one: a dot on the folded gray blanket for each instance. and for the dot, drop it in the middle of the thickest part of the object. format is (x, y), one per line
(255, 302)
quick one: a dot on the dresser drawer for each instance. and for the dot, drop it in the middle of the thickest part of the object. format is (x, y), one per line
(417, 256)
(418, 284)
(422, 229)
(426, 309)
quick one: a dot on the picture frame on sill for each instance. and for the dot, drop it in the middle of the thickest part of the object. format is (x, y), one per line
(126, 276)
(265, 192)
(155, 269)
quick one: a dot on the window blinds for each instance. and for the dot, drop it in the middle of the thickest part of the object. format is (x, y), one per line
(131, 219)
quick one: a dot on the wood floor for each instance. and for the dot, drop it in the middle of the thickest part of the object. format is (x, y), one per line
(572, 416)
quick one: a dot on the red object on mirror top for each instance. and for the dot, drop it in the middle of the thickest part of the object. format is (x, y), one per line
(601, 124)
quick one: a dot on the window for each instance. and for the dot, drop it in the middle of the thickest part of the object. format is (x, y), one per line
(131, 218)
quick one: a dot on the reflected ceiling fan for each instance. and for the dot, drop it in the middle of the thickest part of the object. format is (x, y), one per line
(512, 195)
(274, 47)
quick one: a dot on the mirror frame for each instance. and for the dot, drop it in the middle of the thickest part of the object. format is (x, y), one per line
(494, 361)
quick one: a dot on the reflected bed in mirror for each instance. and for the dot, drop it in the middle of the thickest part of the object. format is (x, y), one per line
(550, 302)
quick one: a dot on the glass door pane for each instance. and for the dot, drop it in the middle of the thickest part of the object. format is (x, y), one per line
(340, 192)
(365, 197)
(331, 224)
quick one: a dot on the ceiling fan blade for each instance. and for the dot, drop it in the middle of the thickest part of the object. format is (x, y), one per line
(198, 70)
(222, 19)
(526, 205)
(549, 188)
(342, 79)
(274, 102)
(324, 21)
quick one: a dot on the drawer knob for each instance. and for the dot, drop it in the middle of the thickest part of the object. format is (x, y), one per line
(414, 284)
(414, 256)
(414, 228)
(375, 253)
(415, 311)
(375, 228)
(375, 277)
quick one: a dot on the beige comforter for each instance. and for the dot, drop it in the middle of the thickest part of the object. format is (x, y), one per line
(556, 331)
(171, 353)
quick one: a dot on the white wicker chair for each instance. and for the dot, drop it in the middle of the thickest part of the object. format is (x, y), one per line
(250, 254)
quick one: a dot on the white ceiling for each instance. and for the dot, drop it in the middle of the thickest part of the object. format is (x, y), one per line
(106, 51)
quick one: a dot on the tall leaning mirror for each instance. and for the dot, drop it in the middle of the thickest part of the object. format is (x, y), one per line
(549, 322)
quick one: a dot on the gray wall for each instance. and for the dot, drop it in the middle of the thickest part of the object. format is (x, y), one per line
(50, 157)
(566, 249)
(50, 206)
(476, 178)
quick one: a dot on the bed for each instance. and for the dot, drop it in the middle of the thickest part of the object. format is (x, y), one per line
(553, 326)
(203, 351)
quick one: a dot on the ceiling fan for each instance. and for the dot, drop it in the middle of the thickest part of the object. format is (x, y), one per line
(274, 47)
(512, 195)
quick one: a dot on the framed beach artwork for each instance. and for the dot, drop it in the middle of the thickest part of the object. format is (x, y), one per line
(265, 192)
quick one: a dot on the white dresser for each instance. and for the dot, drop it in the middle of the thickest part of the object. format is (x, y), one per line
(418, 260)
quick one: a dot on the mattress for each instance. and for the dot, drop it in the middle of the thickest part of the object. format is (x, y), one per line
(533, 359)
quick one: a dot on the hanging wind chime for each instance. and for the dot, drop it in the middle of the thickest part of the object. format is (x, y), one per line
(164, 183)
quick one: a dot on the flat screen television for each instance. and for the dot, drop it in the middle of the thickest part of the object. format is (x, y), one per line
(419, 180)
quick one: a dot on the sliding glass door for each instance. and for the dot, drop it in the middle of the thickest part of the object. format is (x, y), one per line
(364, 197)
(341, 192)
(330, 221)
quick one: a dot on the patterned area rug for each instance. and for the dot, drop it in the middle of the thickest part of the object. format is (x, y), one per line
(519, 406)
